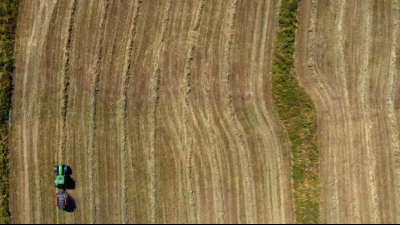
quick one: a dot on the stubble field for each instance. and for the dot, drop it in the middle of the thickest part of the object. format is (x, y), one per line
(162, 109)
(165, 111)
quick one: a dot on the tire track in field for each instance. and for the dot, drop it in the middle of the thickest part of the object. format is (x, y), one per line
(364, 93)
(193, 38)
(385, 85)
(225, 165)
(83, 58)
(360, 141)
(204, 165)
(33, 113)
(27, 192)
(264, 124)
(173, 181)
(217, 168)
(217, 181)
(320, 94)
(223, 174)
(335, 184)
(266, 152)
(344, 107)
(66, 74)
(17, 154)
(279, 199)
(108, 130)
(37, 43)
(393, 81)
(255, 81)
(38, 108)
(123, 111)
(366, 127)
(155, 97)
(232, 127)
(92, 162)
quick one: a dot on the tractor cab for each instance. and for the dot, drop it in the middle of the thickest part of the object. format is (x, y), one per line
(61, 172)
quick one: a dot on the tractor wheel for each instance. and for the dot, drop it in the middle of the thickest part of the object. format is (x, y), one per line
(66, 170)
(56, 169)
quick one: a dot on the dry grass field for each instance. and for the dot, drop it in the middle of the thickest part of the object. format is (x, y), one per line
(162, 108)
(200, 111)
(347, 59)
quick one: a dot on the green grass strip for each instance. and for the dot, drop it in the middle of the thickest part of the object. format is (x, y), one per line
(8, 17)
(297, 113)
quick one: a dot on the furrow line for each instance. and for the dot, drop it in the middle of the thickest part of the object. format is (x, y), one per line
(231, 123)
(255, 72)
(193, 39)
(223, 168)
(212, 139)
(321, 92)
(65, 90)
(36, 110)
(246, 187)
(281, 213)
(390, 102)
(124, 110)
(27, 190)
(66, 80)
(217, 183)
(364, 92)
(32, 129)
(92, 163)
(155, 98)
(228, 100)
(335, 210)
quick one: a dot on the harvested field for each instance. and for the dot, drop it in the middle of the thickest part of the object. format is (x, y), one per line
(162, 108)
(347, 59)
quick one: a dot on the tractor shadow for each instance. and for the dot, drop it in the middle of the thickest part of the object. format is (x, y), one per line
(70, 183)
(71, 205)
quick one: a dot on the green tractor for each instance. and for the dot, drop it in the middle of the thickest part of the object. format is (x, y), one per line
(62, 172)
